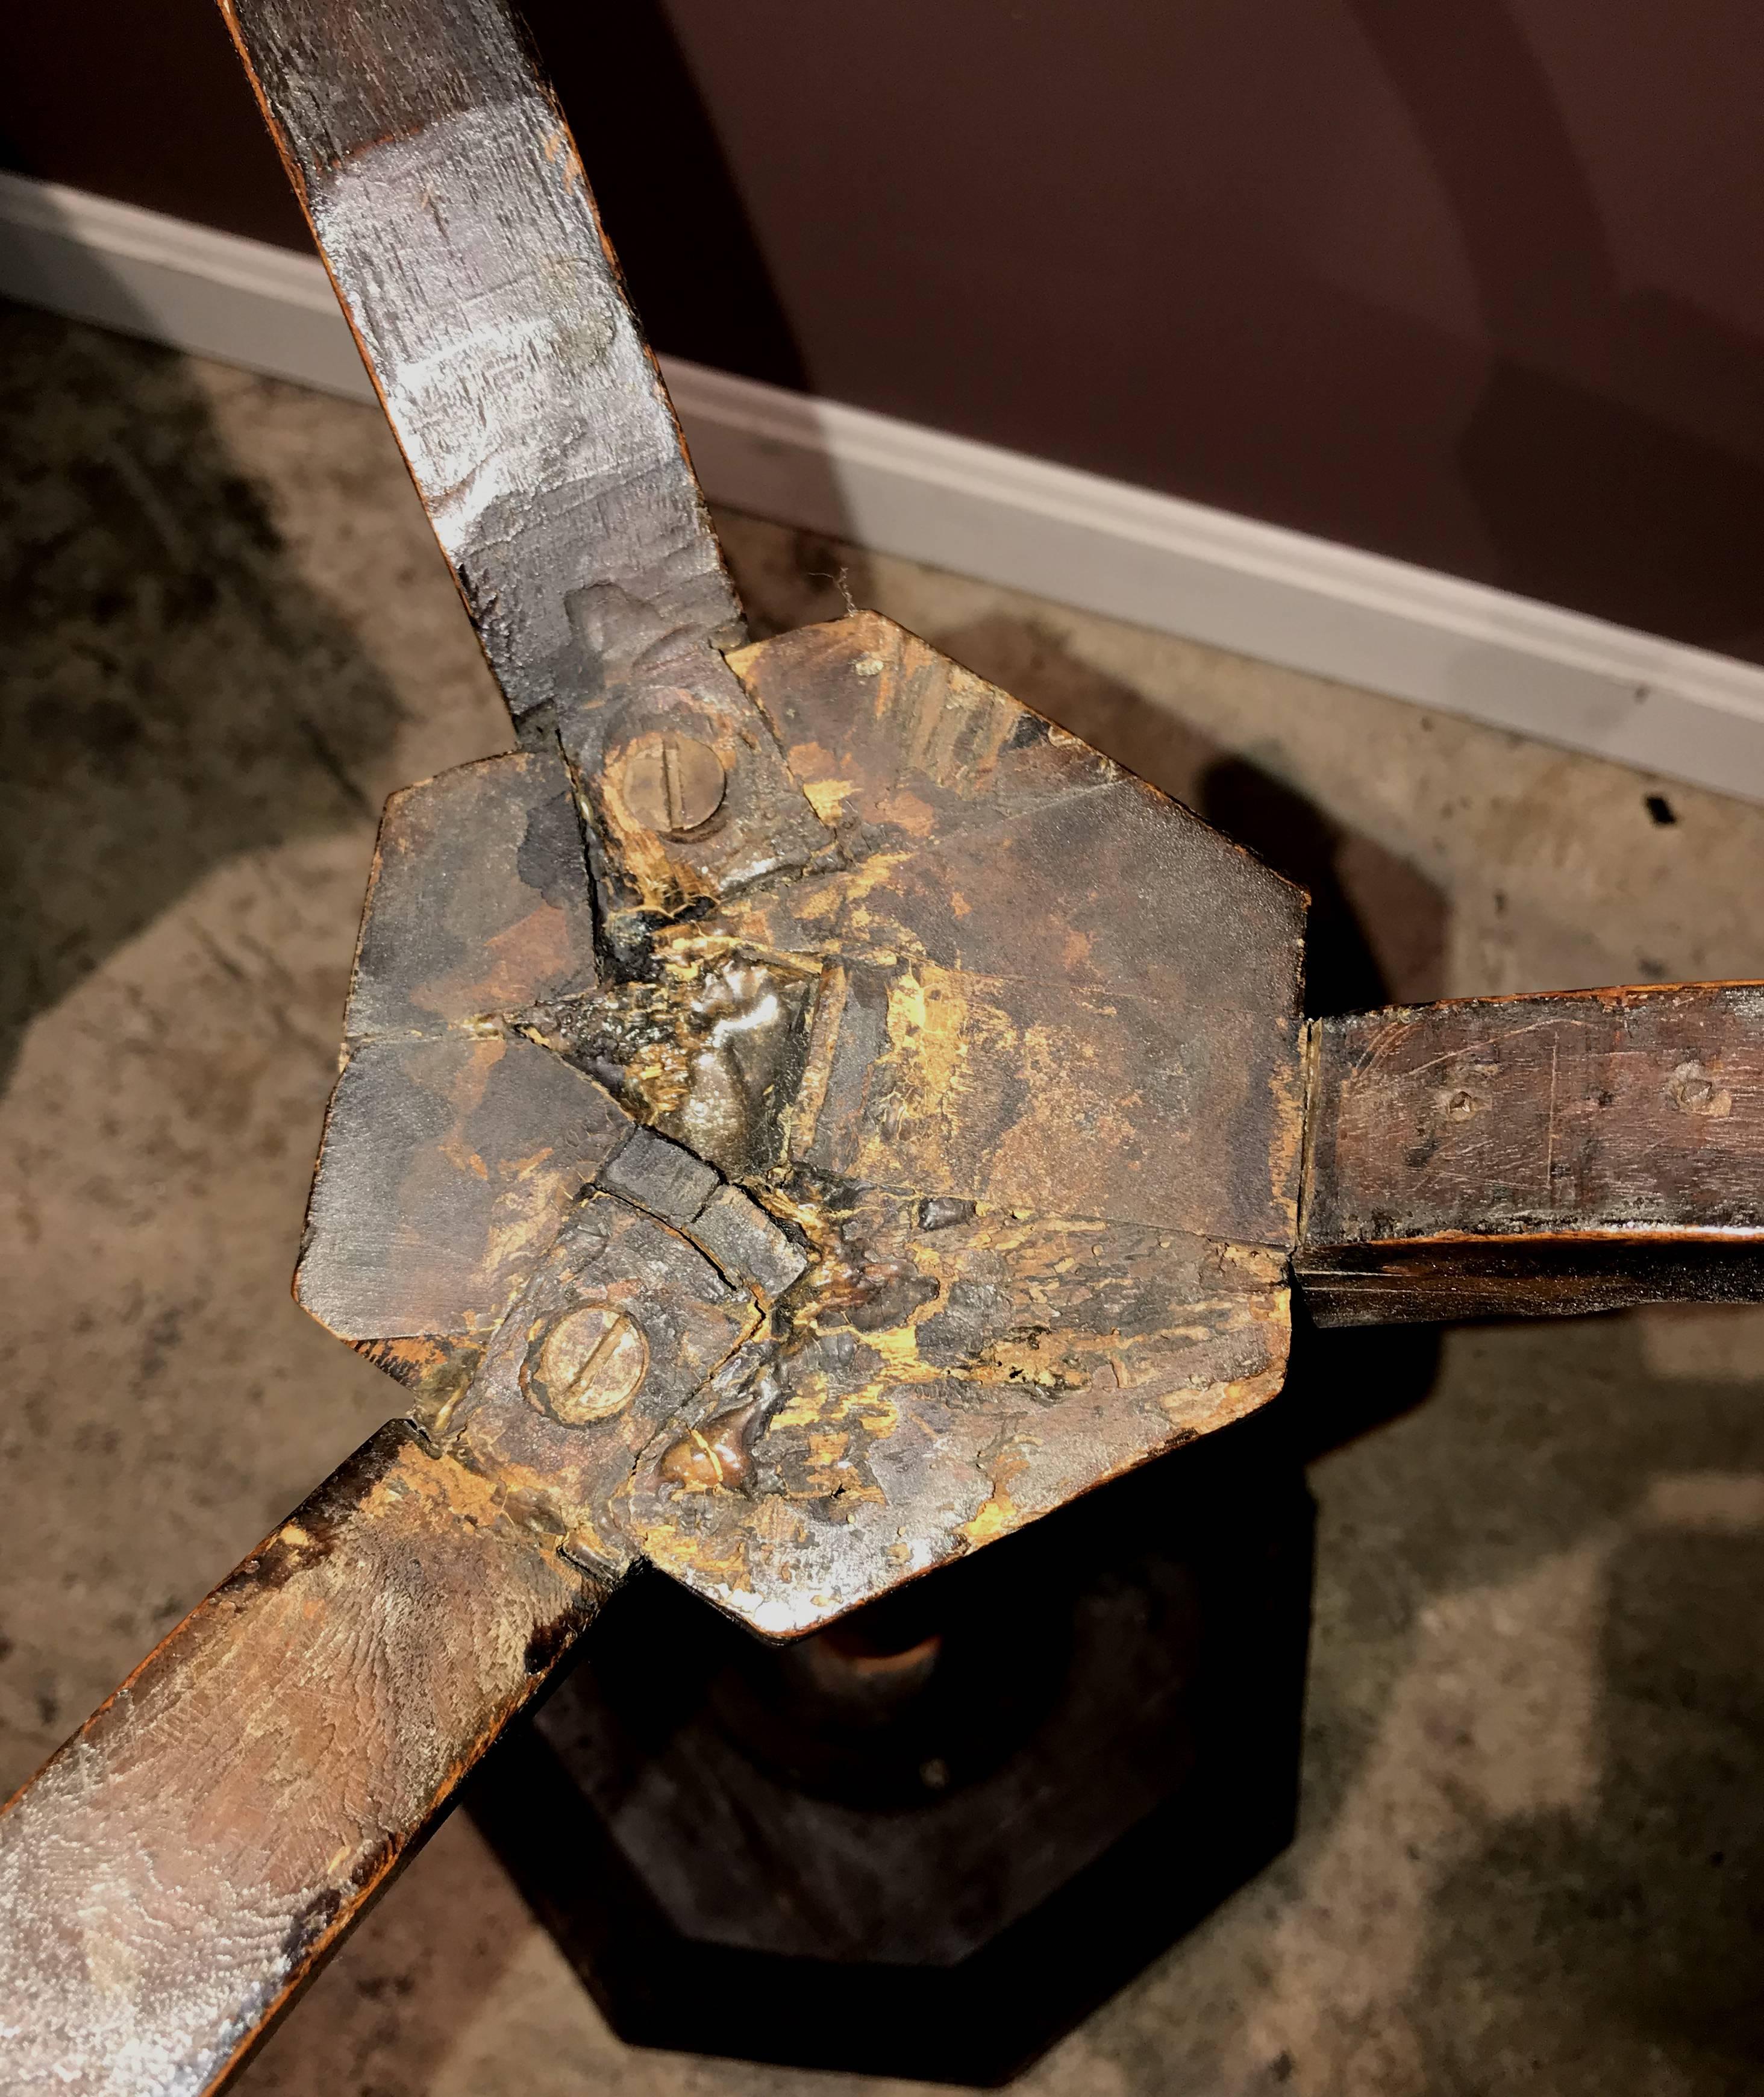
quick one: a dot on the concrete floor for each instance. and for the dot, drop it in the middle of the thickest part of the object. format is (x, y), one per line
(1532, 1848)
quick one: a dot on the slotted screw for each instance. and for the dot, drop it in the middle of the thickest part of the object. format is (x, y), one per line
(672, 782)
(586, 1367)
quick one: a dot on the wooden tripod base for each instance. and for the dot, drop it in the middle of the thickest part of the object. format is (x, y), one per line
(928, 1841)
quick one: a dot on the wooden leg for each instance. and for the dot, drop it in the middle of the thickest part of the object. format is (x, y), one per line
(1527, 1156)
(173, 1874)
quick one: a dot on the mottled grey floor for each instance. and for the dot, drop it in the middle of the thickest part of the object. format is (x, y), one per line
(1533, 1828)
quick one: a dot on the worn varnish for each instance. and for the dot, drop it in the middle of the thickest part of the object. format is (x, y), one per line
(449, 203)
(1510, 1156)
(1082, 998)
(690, 1319)
(454, 1144)
(937, 1385)
(446, 194)
(961, 1062)
(190, 1856)
(969, 1153)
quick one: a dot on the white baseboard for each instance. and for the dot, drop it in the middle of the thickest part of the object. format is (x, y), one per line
(1103, 545)
(141, 273)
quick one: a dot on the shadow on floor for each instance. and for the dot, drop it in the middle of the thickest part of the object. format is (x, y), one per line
(1536, 1765)
(172, 691)
(1657, 1882)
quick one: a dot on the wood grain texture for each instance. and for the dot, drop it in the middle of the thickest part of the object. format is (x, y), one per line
(452, 1144)
(1018, 1066)
(445, 192)
(448, 199)
(1109, 987)
(178, 1870)
(1513, 1156)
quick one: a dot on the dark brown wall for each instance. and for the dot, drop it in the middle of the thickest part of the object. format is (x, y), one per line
(1476, 284)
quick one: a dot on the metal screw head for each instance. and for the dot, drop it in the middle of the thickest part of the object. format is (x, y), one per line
(586, 1367)
(672, 782)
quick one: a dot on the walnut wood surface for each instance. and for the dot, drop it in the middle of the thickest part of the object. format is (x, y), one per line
(1517, 1156)
(176, 1871)
(1034, 1103)
(446, 194)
